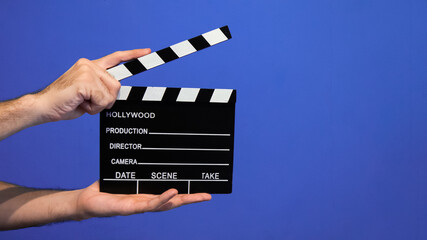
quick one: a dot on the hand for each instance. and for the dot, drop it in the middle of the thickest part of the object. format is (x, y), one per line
(93, 203)
(85, 88)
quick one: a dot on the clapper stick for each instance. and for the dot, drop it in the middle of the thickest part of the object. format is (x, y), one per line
(168, 54)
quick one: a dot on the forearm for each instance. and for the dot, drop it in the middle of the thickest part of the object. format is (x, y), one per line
(23, 207)
(18, 114)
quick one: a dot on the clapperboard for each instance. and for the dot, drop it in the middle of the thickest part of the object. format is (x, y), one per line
(157, 138)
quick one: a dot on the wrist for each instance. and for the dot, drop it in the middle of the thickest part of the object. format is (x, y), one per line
(33, 109)
(64, 206)
(39, 109)
(18, 114)
(74, 211)
(78, 213)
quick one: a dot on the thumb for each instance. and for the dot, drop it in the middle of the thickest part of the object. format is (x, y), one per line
(120, 56)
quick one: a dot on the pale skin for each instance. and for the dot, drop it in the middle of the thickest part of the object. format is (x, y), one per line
(85, 88)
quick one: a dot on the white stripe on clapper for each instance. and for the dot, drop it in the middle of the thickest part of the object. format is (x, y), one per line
(119, 72)
(221, 95)
(151, 60)
(215, 36)
(187, 94)
(183, 48)
(124, 93)
(154, 94)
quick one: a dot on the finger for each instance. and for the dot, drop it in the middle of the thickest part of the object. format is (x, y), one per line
(120, 56)
(184, 199)
(102, 96)
(156, 202)
(110, 83)
(86, 107)
(193, 198)
(99, 99)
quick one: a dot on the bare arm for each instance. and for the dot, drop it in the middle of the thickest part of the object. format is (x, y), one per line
(18, 114)
(85, 88)
(24, 207)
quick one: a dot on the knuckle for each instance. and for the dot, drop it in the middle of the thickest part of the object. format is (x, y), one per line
(84, 65)
(104, 102)
(83, 74)
(95, 109)
(92, 112)
(110, 75)
(110, 100)
(113, 99)
(83, 61)
(110, 105)
(117, 86)
(114, 82)
(84, 68)
(81, 91)
(117, 54)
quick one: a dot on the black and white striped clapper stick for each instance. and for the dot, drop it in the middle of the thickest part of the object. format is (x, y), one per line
(168, 54)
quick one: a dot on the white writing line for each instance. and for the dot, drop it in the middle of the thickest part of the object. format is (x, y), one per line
(137, 187)
(187, 164)
(167, 180)
(192, 134)
(188, 149)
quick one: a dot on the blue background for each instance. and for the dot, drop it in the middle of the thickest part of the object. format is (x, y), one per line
(331, 119)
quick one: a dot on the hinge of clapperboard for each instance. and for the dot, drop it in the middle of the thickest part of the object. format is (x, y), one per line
(168, 54)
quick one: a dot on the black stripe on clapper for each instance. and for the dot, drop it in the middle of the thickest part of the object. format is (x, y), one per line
(232, 97)
(226, 31)
(204, 95)
(135, 66)
(136, 94)
(167, 54)
(199, 42)
(171, 94)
